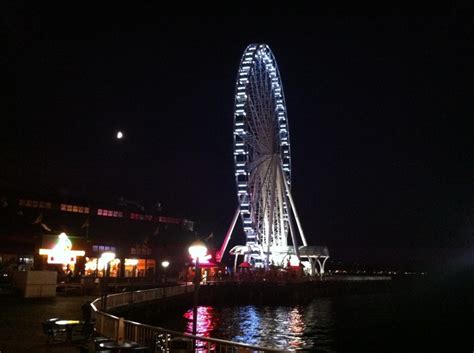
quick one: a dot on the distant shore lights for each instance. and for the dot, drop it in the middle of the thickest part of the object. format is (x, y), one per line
(62, 253)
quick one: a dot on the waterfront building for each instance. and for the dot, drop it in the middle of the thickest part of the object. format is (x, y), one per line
(140, 239)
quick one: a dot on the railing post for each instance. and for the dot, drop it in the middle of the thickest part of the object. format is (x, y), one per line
(120, 331)
(115, 331)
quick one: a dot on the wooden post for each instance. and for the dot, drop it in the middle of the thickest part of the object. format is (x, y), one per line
(120, 331)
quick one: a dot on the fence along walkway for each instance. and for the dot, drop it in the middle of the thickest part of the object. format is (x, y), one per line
(117, 328)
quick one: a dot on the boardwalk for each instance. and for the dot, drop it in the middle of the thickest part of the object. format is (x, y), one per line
(20, 324)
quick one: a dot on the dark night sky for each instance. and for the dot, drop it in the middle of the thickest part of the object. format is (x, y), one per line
(379, 114)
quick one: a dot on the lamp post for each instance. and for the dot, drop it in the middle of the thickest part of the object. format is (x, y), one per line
(196, 250)
(165, 265)
(106, 258)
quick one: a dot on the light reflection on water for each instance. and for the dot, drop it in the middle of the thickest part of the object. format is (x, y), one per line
(283, 327)
(207, 321)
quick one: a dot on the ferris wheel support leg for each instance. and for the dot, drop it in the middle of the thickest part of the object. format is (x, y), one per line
(293, 237)
(300, 229)
(271, 208)
(290, 223)
(281, 199)
(220, 253)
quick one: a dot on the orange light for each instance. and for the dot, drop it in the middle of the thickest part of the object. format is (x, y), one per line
(131, 262)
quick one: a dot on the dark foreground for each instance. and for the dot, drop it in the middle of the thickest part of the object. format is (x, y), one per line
(20, 324)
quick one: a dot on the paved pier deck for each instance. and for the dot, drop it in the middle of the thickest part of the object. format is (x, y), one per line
(20, 324)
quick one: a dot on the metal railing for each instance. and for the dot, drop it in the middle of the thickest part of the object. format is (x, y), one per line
(161, 339)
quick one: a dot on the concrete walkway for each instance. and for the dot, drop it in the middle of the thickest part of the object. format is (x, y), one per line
(20, 323)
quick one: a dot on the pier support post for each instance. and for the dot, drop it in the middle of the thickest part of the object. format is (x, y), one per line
(321, 266)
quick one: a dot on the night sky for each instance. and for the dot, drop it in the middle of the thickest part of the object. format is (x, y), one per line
(379, 113)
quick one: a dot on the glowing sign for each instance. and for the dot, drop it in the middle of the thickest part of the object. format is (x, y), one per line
(62, 253)
(203, 260)
(131, 262)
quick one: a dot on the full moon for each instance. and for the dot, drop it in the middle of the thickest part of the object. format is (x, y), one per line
(119, 135)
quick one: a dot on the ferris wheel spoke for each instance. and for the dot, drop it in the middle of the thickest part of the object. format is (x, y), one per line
(264, 96)
(263, 93)
(269, 100)
(266, 100)
(262, 140)
(250, 140)
(257, 162)
(258, 129)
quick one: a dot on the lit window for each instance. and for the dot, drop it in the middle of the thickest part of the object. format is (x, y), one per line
(169, 220)
(102, 248)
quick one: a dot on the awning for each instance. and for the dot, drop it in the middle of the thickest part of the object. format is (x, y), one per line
(245, 264)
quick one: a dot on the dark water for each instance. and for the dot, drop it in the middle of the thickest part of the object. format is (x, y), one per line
(292, 327)
(407, 319)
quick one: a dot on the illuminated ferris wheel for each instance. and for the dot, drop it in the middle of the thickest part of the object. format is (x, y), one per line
(262, 156)
(263, 168)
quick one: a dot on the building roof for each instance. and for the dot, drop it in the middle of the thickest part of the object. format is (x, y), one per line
(30, 214)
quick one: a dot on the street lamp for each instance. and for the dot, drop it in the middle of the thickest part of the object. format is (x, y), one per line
(107, 256)
(197, 250)
(105, 259)
(165, 265)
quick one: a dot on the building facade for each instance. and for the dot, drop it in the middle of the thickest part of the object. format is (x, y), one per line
(139, 240)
